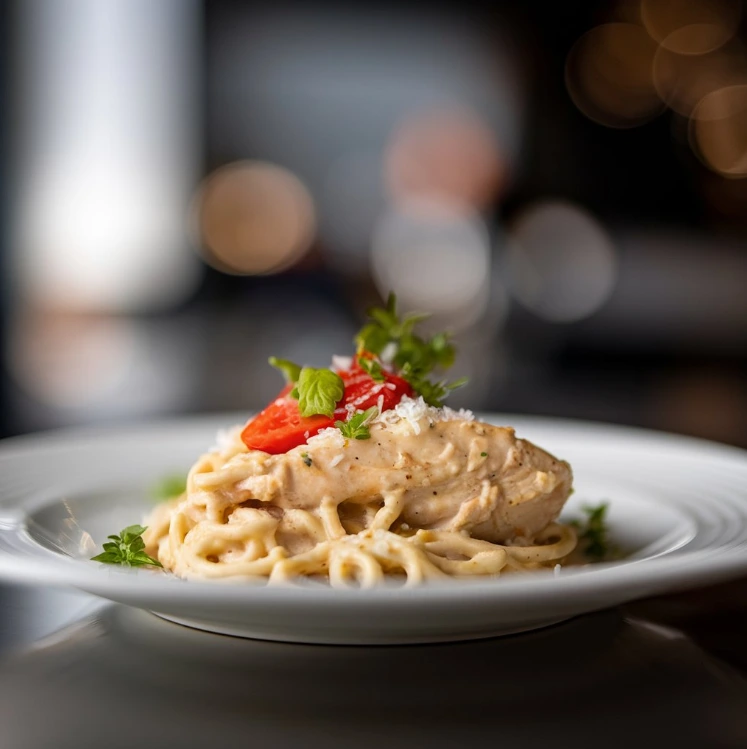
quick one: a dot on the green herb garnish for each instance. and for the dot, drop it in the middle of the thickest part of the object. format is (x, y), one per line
(355, 427)
(373, 368)
(394, 341)
(290, 370)
(169, 487)
(483, 455)
(318, 391)
(127, 548)
(593, 533)
(306, 459)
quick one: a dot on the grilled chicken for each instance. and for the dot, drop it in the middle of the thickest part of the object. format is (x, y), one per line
(435, 473)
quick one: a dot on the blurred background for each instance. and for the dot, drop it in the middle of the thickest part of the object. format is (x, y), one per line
(190, 187)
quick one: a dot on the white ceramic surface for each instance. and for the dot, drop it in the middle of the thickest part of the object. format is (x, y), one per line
(678, 506)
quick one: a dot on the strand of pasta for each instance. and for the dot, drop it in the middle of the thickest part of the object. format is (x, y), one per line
(208, 534)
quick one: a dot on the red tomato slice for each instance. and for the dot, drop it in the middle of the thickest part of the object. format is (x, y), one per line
(364, 392)
(280, 426)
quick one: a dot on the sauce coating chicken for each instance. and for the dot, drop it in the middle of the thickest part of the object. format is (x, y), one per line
(450, 473)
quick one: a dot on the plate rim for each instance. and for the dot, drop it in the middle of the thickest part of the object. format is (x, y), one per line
(79, 573)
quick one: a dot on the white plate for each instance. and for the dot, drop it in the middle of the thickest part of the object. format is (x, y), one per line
(677, 505)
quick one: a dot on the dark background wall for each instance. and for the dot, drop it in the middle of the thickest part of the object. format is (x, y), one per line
(399, 146)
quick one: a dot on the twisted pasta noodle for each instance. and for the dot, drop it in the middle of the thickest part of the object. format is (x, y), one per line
(219, 529)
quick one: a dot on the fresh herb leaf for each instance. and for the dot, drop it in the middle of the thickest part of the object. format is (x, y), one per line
(356, 427)
(434, 393)
(127, 549)
(372, 337)
(373, 368)
(169, 487)
(306, 459)
(290, 370)
(318, 391)
(593, 533)
(483, 455)
(393, 340)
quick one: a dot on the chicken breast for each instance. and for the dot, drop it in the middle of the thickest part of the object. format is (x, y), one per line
(437, 469)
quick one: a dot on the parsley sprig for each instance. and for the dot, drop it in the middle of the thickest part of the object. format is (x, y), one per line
(356, 427)
(394, 341)
(593, 533)
(127, 548)
(373, 368)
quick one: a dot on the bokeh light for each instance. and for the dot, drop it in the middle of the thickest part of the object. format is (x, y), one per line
(106, 149)
(254, 218)
(71, 362)
(445, 154)
(82, 366)
(608, 75)
(691, 27)
(683, 80)
(718, 130)
(562, 264)
(436, 258)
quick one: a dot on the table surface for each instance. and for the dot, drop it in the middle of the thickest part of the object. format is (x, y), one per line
(78, 672)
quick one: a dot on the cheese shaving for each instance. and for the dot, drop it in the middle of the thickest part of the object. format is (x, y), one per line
(415, 410)
(329, 436)
(341, 363)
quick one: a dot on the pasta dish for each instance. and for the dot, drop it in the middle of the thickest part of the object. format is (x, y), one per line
(431, 493)
(358, 474)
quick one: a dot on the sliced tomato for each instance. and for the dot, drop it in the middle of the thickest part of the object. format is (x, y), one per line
(364, 392)
(280, 426)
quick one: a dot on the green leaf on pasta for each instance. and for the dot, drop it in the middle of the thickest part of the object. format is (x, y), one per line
(319, 391)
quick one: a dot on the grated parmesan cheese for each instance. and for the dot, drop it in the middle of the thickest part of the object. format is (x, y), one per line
(331, 436)
(414, 410)
(340, 363)
(388, 353)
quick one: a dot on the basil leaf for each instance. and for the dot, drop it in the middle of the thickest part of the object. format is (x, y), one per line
(290, 370)
(319, 391)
